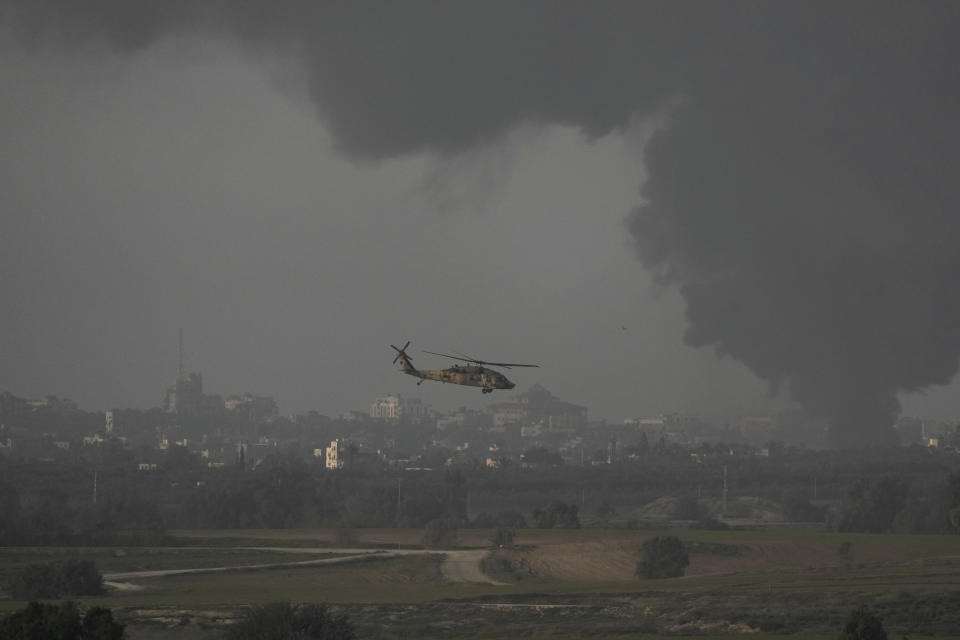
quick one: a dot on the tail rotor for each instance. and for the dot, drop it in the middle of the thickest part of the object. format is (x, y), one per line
(402, 355)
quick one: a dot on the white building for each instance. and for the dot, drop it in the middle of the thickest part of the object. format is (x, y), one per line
(334, 457)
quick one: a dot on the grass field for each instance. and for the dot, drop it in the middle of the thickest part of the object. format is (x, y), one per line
(568, 584)
(144, 558)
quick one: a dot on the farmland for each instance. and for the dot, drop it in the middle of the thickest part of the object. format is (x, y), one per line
(565, 583)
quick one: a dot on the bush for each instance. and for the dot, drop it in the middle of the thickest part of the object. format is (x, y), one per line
(506, 569)
(286, 621)
(557, 514)
(663, 557)
(863, 625)
(57, 579)
(39, 621)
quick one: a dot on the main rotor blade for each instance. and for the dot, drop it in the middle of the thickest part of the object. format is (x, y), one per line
(481, 362)
(510, 364)
(447, 355)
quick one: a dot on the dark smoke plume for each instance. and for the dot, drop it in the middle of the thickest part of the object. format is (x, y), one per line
(802, 193)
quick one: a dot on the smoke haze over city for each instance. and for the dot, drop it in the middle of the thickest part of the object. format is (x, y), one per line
(619, 192)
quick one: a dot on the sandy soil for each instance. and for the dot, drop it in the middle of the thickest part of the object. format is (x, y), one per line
(616, 559)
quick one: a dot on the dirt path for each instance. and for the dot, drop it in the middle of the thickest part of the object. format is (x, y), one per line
(464, 566)
(458, 565)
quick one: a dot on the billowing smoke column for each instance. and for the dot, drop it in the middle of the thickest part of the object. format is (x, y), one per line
(801, 194)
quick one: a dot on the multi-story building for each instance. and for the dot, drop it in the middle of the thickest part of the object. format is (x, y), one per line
(185, 395)
(334, 455)
(256, 408)
(395, 407)
(539, 406)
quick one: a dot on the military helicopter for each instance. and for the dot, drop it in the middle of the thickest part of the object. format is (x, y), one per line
(474, 374)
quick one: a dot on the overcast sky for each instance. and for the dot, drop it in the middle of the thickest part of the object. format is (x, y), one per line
(294, 216)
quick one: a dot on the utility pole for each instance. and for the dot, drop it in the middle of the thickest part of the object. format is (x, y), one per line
(399, 481)
(724, 507)
(94, 486)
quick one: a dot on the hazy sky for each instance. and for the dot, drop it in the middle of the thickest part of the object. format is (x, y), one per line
(475, 178)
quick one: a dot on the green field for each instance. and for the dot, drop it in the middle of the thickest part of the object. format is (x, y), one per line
(761, 584)
(145, 558)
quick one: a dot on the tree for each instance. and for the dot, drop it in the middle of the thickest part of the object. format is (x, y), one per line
(38, 621)
(557, 514)
(872, 507)
(286, 621)
(863, 625)
(98, 624)
(663, 557)
(439, 534)
(9, 513)
(69, 578)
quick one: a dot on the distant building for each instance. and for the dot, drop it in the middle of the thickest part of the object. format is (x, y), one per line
(395, 407)
(11, 405)
(52, 403)
(95, 439)
(185, 395)
(540, 406)
(334, 455)
(255, 408)
(758, 428)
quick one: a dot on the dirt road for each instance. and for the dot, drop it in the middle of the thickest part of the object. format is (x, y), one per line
(458, 565)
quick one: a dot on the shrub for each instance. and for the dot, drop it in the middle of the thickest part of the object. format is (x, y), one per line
(286, 621)
(863, 625)
(57, 579)
(38, 621)
(557, 514)
(663, 557)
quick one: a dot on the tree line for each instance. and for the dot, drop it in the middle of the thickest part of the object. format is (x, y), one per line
(49, 504)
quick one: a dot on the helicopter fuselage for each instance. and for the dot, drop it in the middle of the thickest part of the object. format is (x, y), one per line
(474, 374)
(467, 375)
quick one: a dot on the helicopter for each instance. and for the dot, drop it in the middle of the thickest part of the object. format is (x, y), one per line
(474, 374)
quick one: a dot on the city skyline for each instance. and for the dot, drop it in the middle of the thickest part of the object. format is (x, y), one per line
(299, 193)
